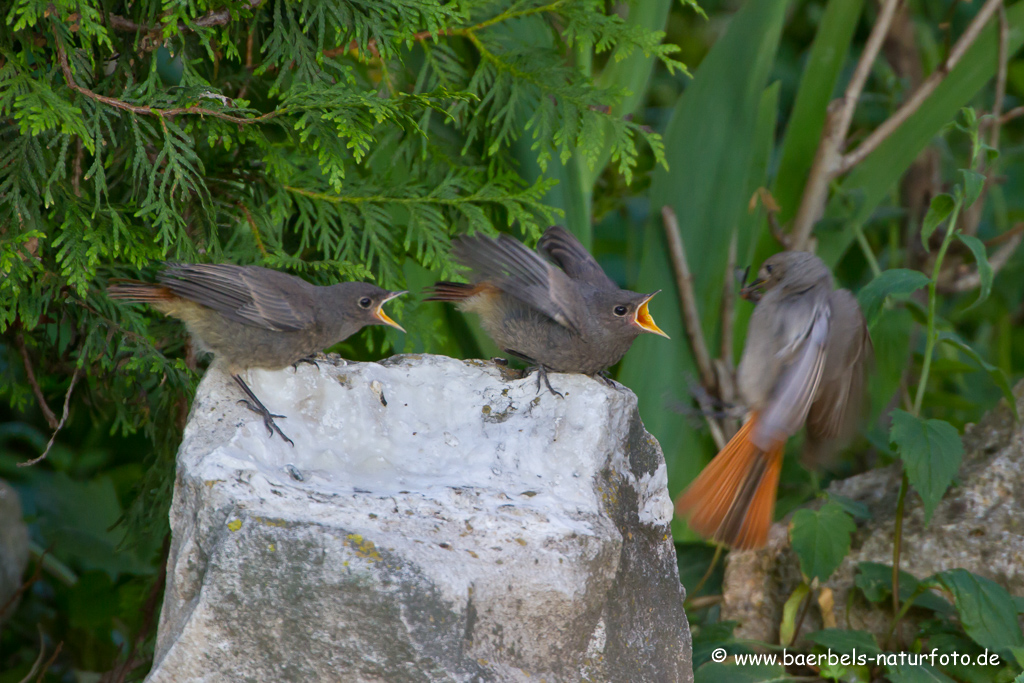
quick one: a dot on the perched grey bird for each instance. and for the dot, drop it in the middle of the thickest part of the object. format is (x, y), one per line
(253, 317)
(565, 315)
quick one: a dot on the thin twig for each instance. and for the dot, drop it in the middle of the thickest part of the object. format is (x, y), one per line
(255, 229)
(60, 425)
(687, 300)
(927, 87)
(39, 659)
(833, 134)
(65, 67)
(36, 574)
(208, 20)
(728, 305)
(30, 375)
(50, 661)
(1014, 113)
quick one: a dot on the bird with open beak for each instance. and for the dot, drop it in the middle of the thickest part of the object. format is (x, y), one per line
(805, 362)
(563, 314)
(253, 317)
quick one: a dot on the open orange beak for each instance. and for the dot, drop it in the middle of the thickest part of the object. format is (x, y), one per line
(644, 320)
(380, 315)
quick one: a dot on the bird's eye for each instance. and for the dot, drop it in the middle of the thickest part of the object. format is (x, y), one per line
(768, 267)
(365, 302)
(621, 310)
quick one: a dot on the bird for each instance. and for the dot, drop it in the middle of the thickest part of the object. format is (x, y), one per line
(805, 362)
(255, 317)
(563, 314)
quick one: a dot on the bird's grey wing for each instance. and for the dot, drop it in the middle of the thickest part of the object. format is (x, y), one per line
(803, 361)
(523, 274)
(848, 356)
(245, 294)
(562, 247)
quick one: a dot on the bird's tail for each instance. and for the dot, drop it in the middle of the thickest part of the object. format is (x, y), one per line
(733, 499)
(451, 291)
(136, 290)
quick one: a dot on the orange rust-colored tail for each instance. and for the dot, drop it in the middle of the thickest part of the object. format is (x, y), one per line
(733, 499)
(136, 290)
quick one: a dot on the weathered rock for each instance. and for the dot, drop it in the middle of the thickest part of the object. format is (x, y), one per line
(437, 520)
(13, 549)
(977, 526)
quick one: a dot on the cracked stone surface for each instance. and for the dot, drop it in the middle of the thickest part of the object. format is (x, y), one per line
(437, 520)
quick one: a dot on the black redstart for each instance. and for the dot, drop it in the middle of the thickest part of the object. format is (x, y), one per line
(805, 362)
(569, 318)
(253, 317)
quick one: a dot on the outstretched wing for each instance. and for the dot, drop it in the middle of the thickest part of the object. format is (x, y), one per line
(562, 247)
(511, 267)
(245, 294)
(803, 361)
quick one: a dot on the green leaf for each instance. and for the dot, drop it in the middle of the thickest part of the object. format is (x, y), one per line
(931, 451)
(996, 374)
(939, 210)
(845, 641)
(790, 610)
(894, 282)
(716, 121)
(854, 508)
(987, 612)
(715, 673)
(916, 673)
(821, 539)
(875, 581)
(985, 274)
(973, 184)
(873, 179)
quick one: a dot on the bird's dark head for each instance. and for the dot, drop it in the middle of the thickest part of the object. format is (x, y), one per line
(794, 271)
(363, 302)
(627, 312)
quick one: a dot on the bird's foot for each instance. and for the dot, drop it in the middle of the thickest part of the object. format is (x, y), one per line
(255, 405)
(268, 418)
(308, 359)
(607, 380)
(542, 374)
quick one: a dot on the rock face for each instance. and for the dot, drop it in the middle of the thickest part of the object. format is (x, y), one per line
(978, 526)
(13, 548)
(437, 520)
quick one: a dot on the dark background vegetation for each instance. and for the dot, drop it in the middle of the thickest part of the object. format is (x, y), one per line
(341, 139)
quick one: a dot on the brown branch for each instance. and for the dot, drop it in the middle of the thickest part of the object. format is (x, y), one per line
(60, 425)
(50, 661)
(829, 162)
(1014, 113)
(36, 575)
(65, 67)
(833, 134)
(914, 102)
(1004, 236)
(255, 229)
(30, 375)
(208, 20)
(687, 300)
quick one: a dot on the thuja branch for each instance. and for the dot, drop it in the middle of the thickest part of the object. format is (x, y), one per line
(208, 20)
(65, 67)
(464, 31)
